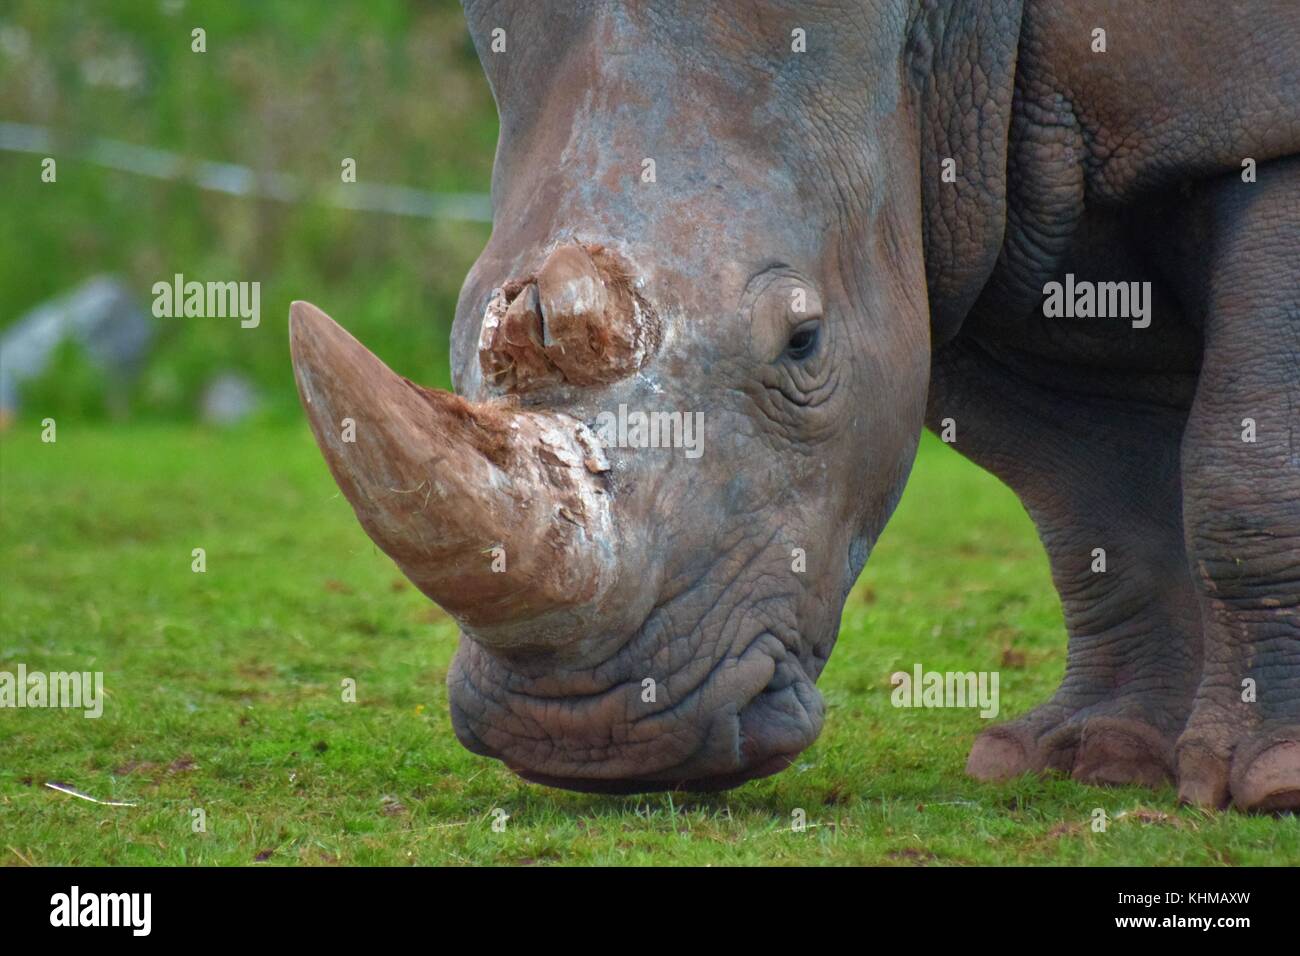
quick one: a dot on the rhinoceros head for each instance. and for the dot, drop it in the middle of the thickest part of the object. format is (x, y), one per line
(690, 370)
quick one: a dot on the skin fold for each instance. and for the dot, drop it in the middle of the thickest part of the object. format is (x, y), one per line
(820, 250)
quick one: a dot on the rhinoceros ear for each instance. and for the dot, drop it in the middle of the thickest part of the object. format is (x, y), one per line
(961, 62)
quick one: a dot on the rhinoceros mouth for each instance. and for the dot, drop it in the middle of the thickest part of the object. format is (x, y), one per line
(615, 786)
(750, 717)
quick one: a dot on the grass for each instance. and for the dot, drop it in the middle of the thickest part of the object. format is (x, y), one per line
(224, 689)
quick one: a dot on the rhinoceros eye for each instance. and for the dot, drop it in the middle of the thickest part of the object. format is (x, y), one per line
(803, 342)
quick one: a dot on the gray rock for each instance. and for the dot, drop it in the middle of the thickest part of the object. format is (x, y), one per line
(102, 315)
(227, 399)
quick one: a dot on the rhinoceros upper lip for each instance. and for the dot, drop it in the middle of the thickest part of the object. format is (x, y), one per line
(776, 649)
(690, 778)
(718, 761)
(772, 647)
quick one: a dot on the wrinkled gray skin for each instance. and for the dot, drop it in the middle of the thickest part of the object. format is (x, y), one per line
(821, 170)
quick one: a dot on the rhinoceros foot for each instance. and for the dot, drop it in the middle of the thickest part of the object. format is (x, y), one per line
(1225, 761)
(1117, 741)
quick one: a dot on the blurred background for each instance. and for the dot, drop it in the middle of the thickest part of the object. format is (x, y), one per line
(225, 165)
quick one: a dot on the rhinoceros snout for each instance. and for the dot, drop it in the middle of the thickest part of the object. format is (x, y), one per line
(750, 716)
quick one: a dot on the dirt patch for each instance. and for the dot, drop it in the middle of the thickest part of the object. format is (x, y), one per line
(1013, 659)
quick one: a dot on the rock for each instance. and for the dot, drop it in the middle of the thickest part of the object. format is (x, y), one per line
(228, 399)
(102, 315)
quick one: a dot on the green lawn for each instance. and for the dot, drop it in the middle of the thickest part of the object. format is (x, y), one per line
(224, 688)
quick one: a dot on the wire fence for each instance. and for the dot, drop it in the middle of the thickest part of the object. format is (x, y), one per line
(235, 180)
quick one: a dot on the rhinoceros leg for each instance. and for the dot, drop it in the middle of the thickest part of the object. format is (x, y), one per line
(1242, 499)
(1093, 474)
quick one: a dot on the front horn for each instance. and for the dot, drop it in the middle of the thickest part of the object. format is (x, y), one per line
(499, 515)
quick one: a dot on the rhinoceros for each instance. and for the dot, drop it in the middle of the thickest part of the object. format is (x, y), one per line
(1065, 234)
